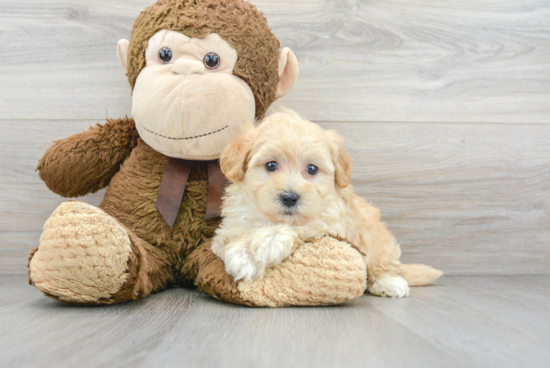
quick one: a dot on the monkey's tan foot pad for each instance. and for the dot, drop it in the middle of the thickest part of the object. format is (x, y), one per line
(82, 256)
(323, 272)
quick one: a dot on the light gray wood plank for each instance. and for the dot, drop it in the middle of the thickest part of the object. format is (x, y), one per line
(25, 201)
(467, 198)
(481, 318)
(344, 336)
(16, 288)
(461, 322)
(15, 247)
(395, 60)
(186, 326)
(524, 291)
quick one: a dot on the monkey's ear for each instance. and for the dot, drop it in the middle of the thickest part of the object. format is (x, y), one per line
(288, 72)
(234, 158)
(341, 159)
(122, 53)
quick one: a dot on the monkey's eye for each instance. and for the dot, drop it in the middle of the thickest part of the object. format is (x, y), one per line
(165, 55)
(211, 60)
(271, 166)
(312, 169)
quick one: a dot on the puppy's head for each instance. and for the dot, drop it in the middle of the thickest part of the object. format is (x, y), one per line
(289, 167)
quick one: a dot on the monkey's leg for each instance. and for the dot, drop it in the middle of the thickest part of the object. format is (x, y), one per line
(86, 256)
(323, 272)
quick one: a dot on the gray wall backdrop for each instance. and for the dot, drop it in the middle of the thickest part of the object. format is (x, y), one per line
(445, 107)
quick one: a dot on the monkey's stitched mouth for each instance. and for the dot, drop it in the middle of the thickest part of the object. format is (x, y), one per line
(184, 138)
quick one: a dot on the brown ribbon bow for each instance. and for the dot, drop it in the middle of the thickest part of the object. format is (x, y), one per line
(173, 183)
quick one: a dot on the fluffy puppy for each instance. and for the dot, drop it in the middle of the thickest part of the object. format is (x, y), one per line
(290, 184)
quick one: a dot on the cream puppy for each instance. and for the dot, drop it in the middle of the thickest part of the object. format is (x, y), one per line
(290, 184)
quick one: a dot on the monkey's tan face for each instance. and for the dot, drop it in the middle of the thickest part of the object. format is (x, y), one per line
(186, 102)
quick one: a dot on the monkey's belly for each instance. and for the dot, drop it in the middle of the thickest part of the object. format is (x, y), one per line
(131, 199)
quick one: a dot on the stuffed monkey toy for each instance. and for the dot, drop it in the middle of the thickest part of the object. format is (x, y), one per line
(199, 71)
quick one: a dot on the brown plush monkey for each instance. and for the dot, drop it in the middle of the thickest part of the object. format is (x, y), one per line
(199, 70)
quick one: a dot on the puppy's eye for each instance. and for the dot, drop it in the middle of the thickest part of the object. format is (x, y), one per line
(165, 55)
(312, 169)
(211, 60)
(271, 166)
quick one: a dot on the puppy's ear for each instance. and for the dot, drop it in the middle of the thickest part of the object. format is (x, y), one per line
(234, 158)
(341, 159)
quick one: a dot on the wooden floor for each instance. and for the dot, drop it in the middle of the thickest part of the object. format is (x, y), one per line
(497, 321)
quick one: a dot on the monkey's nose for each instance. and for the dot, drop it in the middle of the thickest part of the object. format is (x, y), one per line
(289, 199)
(186, 67)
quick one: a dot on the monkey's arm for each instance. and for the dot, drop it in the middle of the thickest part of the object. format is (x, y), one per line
(86, 162)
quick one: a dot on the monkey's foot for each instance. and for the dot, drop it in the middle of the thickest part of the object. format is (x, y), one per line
(83, 256)
(323, 272)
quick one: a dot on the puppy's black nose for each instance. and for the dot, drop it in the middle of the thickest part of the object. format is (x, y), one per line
(289, 199)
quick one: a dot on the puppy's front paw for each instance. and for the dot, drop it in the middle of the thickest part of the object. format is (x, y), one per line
(271, 246)
(390, 286)
(240, 264)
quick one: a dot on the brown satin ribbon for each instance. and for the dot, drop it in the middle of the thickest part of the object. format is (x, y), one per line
(216, 187)
(173, 183)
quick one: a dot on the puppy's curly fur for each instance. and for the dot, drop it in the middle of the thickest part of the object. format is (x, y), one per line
(303, 193)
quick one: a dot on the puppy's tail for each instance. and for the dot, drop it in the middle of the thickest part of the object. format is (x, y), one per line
(420, 274)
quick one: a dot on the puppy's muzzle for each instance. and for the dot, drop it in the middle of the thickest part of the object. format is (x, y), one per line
(289, 199)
